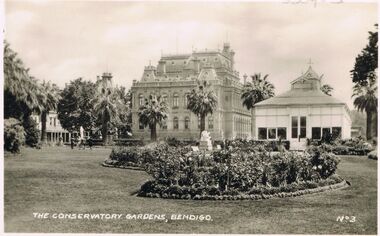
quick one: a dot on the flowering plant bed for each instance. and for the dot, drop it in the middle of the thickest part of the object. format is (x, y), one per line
(211, 193)
(235, 173)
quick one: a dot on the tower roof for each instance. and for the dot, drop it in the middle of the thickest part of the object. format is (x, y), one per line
(308, 75)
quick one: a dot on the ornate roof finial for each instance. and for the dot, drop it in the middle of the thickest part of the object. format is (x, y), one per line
(310, 62)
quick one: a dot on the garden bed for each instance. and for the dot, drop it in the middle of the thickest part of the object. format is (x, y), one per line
(261, 193)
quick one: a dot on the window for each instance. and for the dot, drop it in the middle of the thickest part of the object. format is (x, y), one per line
(326, 133)
(164, 125)
(184, 62)
(316, 132)
(281, 133)
(336, 132)
(172, 62)
(164, 98)
(141, 125)
(51, 121)
(272, 133)
(175, 100)
(141, 100)
(185, 100)
(303, 127)
(262, 133)
(294, 127)
(55, 122)
(210, 123)
(175, 123)
(187, 123)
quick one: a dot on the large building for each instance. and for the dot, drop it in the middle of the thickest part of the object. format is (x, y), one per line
(302, 112)
(175, 76)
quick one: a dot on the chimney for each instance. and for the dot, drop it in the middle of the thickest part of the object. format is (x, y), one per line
(245, 78)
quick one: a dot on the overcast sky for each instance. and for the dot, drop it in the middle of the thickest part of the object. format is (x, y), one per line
(61, 41)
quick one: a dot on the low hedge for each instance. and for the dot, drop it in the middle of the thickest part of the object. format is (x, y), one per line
(155, 189)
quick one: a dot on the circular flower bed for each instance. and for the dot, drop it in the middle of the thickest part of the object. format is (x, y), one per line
(241, 172)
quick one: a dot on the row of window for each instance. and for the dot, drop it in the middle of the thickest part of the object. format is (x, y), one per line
(272, 133)
(186, 124)
(320, 132)
(164, 98)
(316, 133)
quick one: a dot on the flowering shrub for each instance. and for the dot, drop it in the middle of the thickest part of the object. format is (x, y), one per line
(14, 135)
(352, 146)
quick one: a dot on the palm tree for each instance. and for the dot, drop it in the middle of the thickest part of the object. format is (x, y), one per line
(202, 101)
(22, 92)
(366, 100)
(105, 106)
(52, 97)
(327, 89)
(259, 89)
(153, 112)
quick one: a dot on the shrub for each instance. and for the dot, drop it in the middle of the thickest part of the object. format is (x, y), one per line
(373, 155)
(32, 133)
(14, 135)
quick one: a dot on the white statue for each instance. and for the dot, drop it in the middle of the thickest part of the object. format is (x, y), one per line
(205, 135)
(81, 133)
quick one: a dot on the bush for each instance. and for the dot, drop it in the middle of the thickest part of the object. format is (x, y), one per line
(373, 155)
(32, 133)
(14, 135)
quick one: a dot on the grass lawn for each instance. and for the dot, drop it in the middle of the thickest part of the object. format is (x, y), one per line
(56, 180)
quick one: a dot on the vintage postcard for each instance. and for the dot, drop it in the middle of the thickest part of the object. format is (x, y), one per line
(190, 117)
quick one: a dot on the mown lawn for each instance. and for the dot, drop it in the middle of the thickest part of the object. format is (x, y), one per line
(56, 180)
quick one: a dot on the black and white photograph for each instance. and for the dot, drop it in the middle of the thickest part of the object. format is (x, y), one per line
(190, 117)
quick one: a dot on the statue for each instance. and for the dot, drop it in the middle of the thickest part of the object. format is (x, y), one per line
(205, 142)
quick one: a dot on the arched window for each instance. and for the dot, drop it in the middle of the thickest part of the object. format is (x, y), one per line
(164, 98)
(175, 100)
(175, 123)
(210, 123)
(164, 124)
(141, 100)
(185, 100)
(187, 123)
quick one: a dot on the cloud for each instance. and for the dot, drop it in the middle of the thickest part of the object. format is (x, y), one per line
(61, 41)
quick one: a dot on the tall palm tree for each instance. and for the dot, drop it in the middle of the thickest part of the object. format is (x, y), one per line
(202, 101)
(22, 91)
(52, 96)
(256, 91)
(105, 106)
(327, 89)
(153, 112)
(259, 89)
(366, 100)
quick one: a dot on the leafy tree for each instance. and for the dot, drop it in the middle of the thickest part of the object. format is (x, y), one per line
(75, 108)
(153, 112)
(256, 91)
(366, 61)
(202, 101)
(106, 103)
(364, 77)
(327, 89)
(52, 96)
